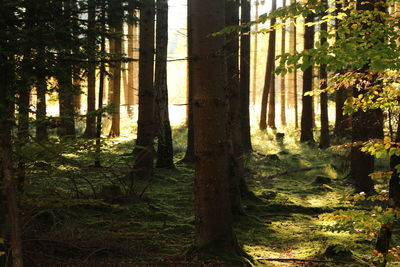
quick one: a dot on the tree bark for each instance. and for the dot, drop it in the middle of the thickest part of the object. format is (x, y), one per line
(269, 75)
(324, 141)
(306, 114)
(130, 96)
(165, 152)
(293, 75)
(146, 126)
(90, 130)
(245, 77)
(254, 89)
(189, 154)
(212, 202)
(116, 22)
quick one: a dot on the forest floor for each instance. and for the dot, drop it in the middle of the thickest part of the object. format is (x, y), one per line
(77, 215)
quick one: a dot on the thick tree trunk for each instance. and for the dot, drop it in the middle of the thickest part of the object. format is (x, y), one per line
(306, 114)
(146, 126)
(235, 133)
(9, 182)
(90, 130)
(165, 152)
(212, 204)
(269, 75)
(66, 88)
(245, 77)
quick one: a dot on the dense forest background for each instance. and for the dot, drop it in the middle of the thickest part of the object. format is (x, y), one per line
(199, 133)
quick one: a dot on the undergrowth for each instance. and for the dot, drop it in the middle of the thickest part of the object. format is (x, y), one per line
(78, 215)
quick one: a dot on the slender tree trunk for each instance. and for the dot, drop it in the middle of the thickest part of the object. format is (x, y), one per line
(306, 114)
(165, 152)
(117, 23)
(272, 100)
(189, 155)
(269, 75)
(146, 126)
(245, 77)
(293, 75)
(283, 76)
(254, 94)
(130, 101)
(90, 130)
(324, 141)
(41, 88)
(97, 162)
(212, 202)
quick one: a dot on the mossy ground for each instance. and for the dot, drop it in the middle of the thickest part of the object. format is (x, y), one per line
(68, 221)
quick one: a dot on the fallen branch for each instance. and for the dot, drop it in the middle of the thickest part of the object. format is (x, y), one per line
(302, 260)
(293, 171)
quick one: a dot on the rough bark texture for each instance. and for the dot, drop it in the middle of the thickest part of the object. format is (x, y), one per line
(245, 77)
(9, 182)
(269, 75)
(146, 128)
(165, 152)
(306, 114)
(130, 95)
(90, 130)
(212, 204)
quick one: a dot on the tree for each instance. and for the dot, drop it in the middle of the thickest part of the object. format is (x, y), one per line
(254, 78)
(293, 75)
(283, 76)
(64, 70)
(90, 130)
(116, 23)
(245, 43)
(165, 152)
(130, 95)
(146, 126)
(269, 72)
(306, 114)
(324, 141)
(212, 207)
(189, 154)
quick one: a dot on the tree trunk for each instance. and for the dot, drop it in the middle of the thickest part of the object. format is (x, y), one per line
(90, 130)
(293, 75)
(116, 22)
(212, 204)
(306, 114)
(269, 75)
(189, 155)
(9, 182)
(245, 77)
(272, 100)
(254, 89)
(324, 141)
(146, 126)
(41, 125)
(130, 96)
(97, 162)
(165, 152)
(66, 88)
(283, 76)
